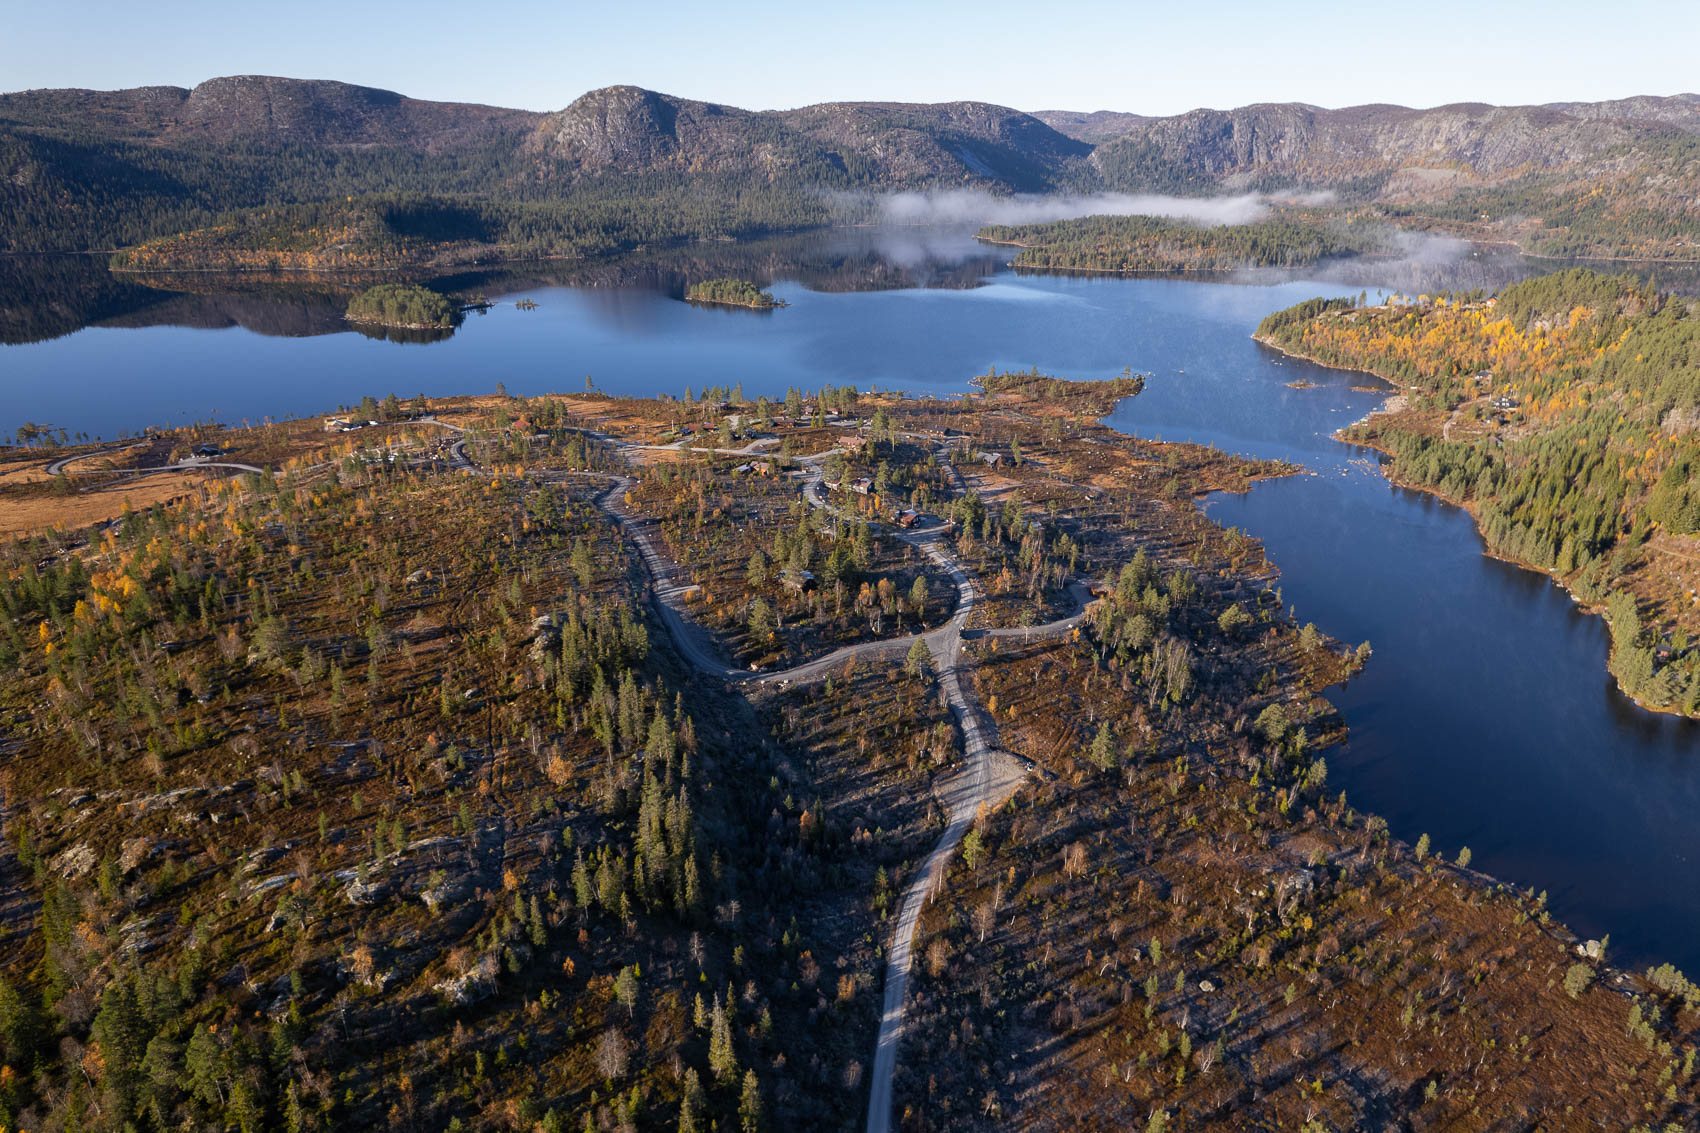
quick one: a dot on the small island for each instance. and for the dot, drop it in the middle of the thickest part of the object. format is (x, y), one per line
(732, 293)
(406, 306)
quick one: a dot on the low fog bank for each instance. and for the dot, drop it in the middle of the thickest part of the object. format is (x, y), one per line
(933, 230)
(955, 207)
(1412, 264)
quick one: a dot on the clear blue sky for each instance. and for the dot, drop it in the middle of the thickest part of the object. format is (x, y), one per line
(1152, 58)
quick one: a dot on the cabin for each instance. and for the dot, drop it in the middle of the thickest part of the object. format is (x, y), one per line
(862, 486)
(992, 458)
(336, 424)
(209, 450)
(909, 517)
(853, 443)
(800, 581)
(744, 469)
(1505, 403)
(763, 467)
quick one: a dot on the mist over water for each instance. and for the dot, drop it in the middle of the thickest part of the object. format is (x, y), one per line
(975, 207)
(931, 227)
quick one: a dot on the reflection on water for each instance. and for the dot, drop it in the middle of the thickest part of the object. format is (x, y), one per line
(1485, 717)
(43, 297)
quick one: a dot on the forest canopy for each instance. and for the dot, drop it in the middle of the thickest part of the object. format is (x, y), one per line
(1147, 243)
(734, 292)
(1566, 412)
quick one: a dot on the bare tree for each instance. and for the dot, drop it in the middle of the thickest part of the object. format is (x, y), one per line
(986, 916)
(1208, 1055)
(612, 1054)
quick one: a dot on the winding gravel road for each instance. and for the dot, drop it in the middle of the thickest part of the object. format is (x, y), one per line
(989, 775)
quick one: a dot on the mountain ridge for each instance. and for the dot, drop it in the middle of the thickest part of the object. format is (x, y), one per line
(83, 169)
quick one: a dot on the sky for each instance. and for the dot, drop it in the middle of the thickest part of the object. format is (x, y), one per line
(1138, 56)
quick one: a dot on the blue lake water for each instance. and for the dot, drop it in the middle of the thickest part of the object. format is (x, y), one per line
(1485, 717)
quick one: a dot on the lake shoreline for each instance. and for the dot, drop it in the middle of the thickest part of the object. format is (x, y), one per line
(387, 325)
(774, 306)
(1389, 470)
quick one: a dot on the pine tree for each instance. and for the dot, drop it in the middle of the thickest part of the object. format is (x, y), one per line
(17, 1026)
(918, 596)
(626, 989)
(1104, 747)
(693, 886)
(294, 1118)
(204, 1061)
(919, 659)
(749, 1104)
(582, 891)
(722, 1061)
(539, 930)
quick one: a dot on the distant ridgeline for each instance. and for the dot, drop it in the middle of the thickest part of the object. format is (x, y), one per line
(404, 305)
(1147, 243)
(252, 172)
(732, 293)
(247, 169)
(1564, 412)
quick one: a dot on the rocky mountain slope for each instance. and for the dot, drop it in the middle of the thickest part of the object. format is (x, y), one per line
(618, 130)
(82, 170)
(1307, 144)
(259, 106)
(631, 130)
(99, 169)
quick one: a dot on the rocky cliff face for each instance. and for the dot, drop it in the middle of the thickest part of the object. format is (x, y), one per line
(1310, 145)
(614, 131)
(628, 129)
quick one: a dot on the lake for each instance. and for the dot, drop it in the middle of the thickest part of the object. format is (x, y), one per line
(1485, 717)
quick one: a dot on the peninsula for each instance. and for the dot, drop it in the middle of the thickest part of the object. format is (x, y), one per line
(1562, 412)
(814, 763)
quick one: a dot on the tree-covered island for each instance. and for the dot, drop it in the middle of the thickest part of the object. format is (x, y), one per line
(732, 293)
(403, 305)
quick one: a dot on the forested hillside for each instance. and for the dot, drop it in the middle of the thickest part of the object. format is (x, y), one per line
(207, 168)
(1564, 412)
(82, 170)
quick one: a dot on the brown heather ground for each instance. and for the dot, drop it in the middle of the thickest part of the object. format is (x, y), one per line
(306, 782)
